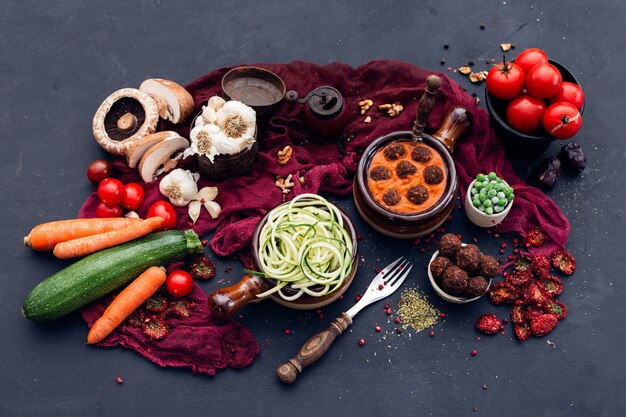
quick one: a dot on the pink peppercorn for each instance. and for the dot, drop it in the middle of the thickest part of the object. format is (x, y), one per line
(473, 353)
(361, 342)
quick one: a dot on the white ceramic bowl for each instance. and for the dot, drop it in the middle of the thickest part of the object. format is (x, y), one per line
(478, 217)
(445, 295)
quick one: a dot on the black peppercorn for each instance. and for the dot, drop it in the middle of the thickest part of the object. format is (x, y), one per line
(549, 171)
(573, 154)
(446, 46)
(442, 62)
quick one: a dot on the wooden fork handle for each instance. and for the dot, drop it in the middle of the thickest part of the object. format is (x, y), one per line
(313, 349)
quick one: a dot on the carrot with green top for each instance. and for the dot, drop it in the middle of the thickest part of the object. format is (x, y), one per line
(90, 244)
(45, 236)
(131, 297)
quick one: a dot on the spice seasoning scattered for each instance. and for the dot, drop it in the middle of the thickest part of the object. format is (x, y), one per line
(416, 311)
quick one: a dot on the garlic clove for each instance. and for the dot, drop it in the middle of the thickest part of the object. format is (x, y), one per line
(207, 194)
(216, 102)
(132, 215)
(194, 210)
(213, 208)
(209, 115)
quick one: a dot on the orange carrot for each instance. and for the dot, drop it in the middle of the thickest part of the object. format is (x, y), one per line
(131, 297)
(47, 235)
(90, 244)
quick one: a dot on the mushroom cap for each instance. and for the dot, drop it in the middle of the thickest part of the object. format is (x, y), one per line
(122, 118)
(174, 102)
(139, 147)
(155, 160)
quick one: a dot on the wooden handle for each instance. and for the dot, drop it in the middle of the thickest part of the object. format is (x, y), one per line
(313, 349)
(224, 302)
(425, 105)
(457, 121)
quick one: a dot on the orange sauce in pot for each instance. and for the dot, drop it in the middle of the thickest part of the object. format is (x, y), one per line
(379, 186)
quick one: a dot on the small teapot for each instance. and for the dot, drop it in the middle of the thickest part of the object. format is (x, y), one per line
(324, 112)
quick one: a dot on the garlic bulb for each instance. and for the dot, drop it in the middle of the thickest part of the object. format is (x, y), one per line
(179, 186)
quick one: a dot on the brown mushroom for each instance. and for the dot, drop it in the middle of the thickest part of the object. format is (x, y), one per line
(122, 118)
(140, 146)
(175, 103)
(162, 157)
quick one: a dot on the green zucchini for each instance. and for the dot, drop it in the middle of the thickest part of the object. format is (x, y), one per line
(102, 272)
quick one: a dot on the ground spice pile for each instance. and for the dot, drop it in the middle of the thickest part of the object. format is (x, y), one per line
(415, 311)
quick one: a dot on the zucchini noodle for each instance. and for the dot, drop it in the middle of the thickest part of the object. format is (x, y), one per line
(305, 246)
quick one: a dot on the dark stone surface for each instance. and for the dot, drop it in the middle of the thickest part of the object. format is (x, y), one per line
(59, 60)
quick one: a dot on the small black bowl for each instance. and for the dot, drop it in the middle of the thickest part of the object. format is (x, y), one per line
(518, 144)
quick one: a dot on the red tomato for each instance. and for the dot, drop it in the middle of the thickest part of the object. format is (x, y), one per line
(543, 81)
(570, 93)
(133, 196)
(530, 57)
(505, 80)
(179, 284)
(104, 211)
(111, 191)
(164, 210)
(562, 120)
(525, 113)
(99, 170)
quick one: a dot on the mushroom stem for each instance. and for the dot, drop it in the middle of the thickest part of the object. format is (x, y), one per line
(127, 122)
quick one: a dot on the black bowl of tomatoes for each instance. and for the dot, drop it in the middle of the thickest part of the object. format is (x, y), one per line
(533, 101)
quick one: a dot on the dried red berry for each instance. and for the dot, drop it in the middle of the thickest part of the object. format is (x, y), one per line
(136, 318)
(157, 303)
(552, 285)
(488, 324)
(517, 314)
(287, 332)
(540, 265)
(378, 328)
(533, 295)
(519, 278)
(182, 307)
(361, 342)
(557, 308)
(536, 236)
(564, 262)
(543, 324)
(431, 334)
(503, 292)
(155, 328)
(522, 331)
(473, 353)
(202, 268)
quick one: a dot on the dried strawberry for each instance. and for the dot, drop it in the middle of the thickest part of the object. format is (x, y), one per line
(540, 265)
(157, 303)
(536, 236)
(552, 285)
(519, 278)
(488, 324)
(543, 324)
(202, 268)
(522, 263)
(517, 314)
(182, 307)
(136, 318)
(557, 308)
(533, 295)
(522, 331)
(564, 262)
(503, 292)
(155, 328)
(532, 312)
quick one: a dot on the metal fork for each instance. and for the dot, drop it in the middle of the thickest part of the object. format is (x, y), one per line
(383, 285)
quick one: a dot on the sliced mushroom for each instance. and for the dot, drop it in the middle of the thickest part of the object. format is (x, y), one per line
(141, 146)
(162, 157)
(122, 118)
(175, 103)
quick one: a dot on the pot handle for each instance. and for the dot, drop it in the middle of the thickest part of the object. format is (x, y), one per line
(457, 121)
(224, 302)
(425, 105)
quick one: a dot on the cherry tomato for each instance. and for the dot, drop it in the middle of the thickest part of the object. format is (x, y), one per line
(562, 120)
(164, 210)
(530, 57)
(111, 191)
(133, 196)
(525, 113)
(505, 80)
(104, 211)
(543, 81)
(179, 284)
(99, 170)
(570, 93)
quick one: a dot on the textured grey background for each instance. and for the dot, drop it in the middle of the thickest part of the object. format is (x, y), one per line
(59, 60)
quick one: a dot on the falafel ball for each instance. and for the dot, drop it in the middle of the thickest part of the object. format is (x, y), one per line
(417, 194)
(433, 175)
(380, 173)
(476, 286)
(455, 280)
(489, 266)
(438, 266)
(448, 245)
(391, 197)
(468, 258)
(394, 151)
(421, 154)
(404, 169)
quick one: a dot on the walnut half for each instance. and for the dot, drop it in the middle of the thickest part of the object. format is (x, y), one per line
(285, 155)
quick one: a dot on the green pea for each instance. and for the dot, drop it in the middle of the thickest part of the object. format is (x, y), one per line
(489, 210)
(492, 176)
(502, 202)
(476, 203)
(499, 180)
(508, 190)
(492, 193)
(473, 191)
(478, 185)
(481, 208)
(498, 209)
(501, 194)
(495, 200)
(487, 203)
(498, 187)
(480, 177)
(482, 197)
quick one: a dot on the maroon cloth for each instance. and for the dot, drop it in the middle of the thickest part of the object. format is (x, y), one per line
(246, 199)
